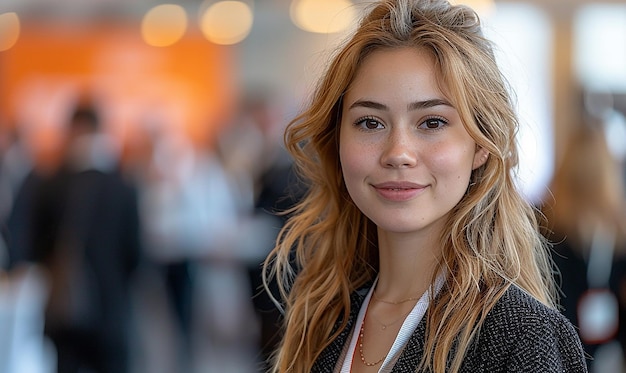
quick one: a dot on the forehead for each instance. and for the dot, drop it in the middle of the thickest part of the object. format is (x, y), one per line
(401, 71)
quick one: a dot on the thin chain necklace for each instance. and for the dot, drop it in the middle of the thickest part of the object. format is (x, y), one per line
(394, 302)
(361, 333)
(384, 326)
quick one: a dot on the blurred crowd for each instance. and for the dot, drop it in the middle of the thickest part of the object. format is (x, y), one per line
(146, 256)
(142, 257)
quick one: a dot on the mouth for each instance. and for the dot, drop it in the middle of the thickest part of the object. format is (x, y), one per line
(398, 186)
(398, 191)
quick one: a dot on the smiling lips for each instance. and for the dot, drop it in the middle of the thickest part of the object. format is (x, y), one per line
(398, 191)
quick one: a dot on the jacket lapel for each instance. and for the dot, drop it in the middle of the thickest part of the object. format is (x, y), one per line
(413, 351)
(327, 360)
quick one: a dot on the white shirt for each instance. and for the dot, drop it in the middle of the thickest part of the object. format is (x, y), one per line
(406, 330)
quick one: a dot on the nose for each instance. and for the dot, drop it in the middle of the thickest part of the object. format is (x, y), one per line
(399, 150)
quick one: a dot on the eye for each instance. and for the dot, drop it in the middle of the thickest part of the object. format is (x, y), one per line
(369, 123)
(434, 123)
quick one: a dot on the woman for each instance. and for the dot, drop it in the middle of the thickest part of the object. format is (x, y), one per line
(413, 250)
(587, 213)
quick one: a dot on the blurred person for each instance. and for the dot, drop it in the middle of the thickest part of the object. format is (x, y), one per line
(80, 223)
(22, 290)
(23, 346)
(248, 150)
(183, 199)
(6, 197)
(586, 213)
(253, 154)
(201, 233)
(413, 249)
(15, 164)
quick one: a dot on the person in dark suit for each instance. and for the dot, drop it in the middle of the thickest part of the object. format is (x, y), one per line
(413, 250)
(81, 225)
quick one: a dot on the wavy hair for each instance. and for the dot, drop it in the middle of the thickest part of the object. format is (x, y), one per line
(491, 240)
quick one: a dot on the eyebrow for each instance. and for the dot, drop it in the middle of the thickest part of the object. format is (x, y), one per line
(412, 106)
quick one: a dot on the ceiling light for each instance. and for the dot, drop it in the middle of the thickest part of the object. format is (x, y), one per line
(9, 30)
(164, 25)
(484, 8)
(322, 16)
(226, 22)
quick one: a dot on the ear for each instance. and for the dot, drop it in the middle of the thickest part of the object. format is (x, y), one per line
(480, 157)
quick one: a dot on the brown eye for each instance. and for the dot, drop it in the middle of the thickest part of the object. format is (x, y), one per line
(433, 124)
(369, 123)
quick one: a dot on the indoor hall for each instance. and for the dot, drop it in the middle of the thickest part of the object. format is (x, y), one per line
(191, 99)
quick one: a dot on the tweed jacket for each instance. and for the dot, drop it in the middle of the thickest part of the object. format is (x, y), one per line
(520, 334)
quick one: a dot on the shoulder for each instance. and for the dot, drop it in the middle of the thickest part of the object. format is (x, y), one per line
(521, 334)
(516, 308)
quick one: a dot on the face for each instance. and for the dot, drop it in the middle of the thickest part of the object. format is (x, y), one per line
(405, 155)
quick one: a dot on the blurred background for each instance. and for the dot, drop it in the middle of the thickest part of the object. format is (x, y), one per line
(150, 131)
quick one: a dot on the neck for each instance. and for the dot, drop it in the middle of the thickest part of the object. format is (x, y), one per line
(406, 267)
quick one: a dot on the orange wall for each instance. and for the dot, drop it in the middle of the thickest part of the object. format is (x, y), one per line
(190, 86)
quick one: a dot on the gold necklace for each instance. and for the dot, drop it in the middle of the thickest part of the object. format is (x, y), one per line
(361, 333)
(396, 302)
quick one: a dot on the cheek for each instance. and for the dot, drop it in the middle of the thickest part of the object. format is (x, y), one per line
(452, 163)
(358, 162)
(352, 161)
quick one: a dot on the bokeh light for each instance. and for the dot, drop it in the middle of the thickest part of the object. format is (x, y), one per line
(164, 25)
(9, 30)
(227, 22)
(322, 16)
(484, 8)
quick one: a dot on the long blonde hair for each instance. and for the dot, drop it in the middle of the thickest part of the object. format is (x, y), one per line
(327, 249)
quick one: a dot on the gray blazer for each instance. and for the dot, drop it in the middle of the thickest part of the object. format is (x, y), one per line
(520, 334)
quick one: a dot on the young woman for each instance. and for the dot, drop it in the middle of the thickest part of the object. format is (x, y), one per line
(413, 250)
